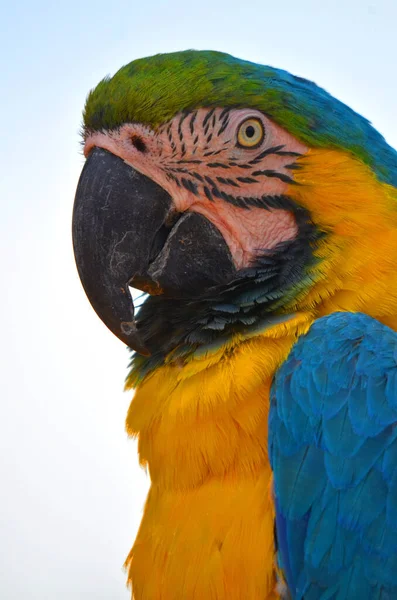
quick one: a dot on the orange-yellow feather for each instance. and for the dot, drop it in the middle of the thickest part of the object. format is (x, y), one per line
(357, 269)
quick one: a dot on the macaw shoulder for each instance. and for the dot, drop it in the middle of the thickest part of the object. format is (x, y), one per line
(338, 351)
(333, 451)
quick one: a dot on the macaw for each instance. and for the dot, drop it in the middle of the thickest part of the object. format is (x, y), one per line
(259, 216)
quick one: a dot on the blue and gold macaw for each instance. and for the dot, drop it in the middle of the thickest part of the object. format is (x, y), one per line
(259, 215)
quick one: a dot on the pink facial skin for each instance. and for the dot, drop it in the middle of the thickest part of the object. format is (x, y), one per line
(196, 158)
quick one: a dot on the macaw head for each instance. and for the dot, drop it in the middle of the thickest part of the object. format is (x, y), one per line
(234, 194)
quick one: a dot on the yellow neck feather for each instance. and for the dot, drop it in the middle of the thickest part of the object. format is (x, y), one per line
(207, 531)
(357, 268)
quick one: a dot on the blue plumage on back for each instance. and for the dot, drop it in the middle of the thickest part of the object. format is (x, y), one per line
(333, 450)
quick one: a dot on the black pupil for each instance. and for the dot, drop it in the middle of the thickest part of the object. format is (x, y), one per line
(250, 131)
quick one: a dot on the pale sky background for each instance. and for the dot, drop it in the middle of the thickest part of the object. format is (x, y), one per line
(71, 492)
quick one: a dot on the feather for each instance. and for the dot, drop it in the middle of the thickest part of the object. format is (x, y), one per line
(336, 496)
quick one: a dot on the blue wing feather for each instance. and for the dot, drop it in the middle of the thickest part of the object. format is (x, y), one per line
(333, 450)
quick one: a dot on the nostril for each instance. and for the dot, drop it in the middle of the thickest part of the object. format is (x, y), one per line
(138, 143)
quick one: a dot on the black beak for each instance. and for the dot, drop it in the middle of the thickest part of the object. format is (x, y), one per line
(125, 231)
(114, 207)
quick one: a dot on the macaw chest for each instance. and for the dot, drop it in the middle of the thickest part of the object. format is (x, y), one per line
(207, 530)
(212, 541)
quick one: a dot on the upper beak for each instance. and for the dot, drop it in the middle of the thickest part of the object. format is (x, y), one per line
(117, 215)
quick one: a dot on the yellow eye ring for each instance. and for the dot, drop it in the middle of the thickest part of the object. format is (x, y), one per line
(250, 133)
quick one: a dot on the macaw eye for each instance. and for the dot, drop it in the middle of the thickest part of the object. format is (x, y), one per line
(250, 133)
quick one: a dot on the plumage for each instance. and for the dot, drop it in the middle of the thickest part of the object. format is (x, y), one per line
(264, 361)
(343, 503)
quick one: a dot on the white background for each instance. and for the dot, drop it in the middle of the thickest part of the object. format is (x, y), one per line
(71, 492)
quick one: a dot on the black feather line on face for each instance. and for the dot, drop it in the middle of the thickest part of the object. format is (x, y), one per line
(208, 116)
(183, 117)
(270, 173)
(257, 296)
(191, 122)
